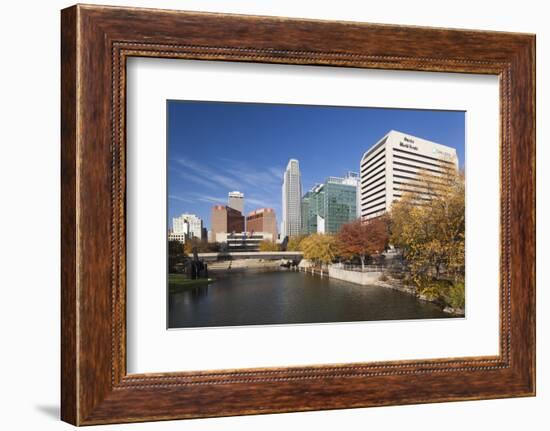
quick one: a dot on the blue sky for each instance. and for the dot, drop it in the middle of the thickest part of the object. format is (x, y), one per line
(216, 147)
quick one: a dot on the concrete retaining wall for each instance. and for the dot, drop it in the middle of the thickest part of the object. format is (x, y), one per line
(356, 277)
(305, 263)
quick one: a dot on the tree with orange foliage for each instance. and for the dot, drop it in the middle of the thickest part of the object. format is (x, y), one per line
(428, 225)
(363, 238)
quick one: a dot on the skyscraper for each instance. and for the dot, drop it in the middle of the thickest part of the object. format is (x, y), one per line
(187, 224)
(392, 166)
(235, 200)
(328, 206)
(292, 195)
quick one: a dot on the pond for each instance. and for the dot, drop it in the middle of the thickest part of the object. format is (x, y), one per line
(289, 297)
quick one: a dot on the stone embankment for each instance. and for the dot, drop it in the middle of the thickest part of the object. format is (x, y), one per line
(395, 284)
(357, 277)
(380, 278)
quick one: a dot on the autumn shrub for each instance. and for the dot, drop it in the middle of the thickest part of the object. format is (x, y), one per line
(383, 277)
(455, 295)
(445, 292)
(431, 288)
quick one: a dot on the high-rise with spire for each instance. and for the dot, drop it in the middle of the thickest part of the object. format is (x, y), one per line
(292, 196)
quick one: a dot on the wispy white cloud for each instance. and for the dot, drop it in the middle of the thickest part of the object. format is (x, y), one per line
(257, 178)
(251, 174)
(264, 203)
(277, 172)
(187, 175)
(181, 199)
(261, 185)
(206, 173)
(210, 199)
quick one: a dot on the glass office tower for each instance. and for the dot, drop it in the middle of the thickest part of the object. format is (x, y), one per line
(326, 207)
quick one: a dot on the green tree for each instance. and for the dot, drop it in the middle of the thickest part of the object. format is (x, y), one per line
(176, 254)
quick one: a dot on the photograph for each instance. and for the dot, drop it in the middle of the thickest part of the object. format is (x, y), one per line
(275, 215)
(284, 214)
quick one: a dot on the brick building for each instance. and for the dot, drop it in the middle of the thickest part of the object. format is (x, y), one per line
(226, 220)
(262, 220)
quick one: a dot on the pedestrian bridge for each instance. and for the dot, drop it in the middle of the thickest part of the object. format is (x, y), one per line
(266, 255)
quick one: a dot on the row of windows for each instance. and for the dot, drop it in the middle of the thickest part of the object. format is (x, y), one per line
(370, 206)
(417, 203)
(376, 158)
(397, 156)
(372, 174)
(374, 212)
(398, 189)
(424, 156)
(419, 198)
(416, 167)
(239, 242)
(373, 192)
(422, 180)
(373, 149)
(381, 179)
(374, 199)
(418, 187)
(370, 193)
(368, 172)
(404, 170)
(375, 183)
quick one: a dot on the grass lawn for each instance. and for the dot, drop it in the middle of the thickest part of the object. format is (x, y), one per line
(180, 281)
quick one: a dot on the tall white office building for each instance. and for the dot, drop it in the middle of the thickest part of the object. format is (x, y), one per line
(187, 224)
(235, 200)
(292, 195)
(391, 167)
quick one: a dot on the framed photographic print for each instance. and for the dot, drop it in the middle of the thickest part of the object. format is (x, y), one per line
(268, 215)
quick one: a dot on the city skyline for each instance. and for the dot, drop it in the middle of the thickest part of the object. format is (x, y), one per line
(251, 144)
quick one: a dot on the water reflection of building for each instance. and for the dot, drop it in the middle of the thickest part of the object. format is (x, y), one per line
(326, 207)
(391, 167)
(262, 220)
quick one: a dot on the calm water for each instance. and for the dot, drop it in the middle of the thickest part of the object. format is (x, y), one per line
(282, 297)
